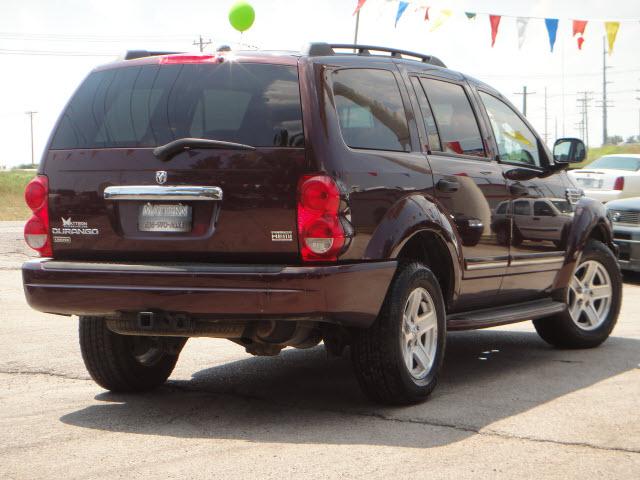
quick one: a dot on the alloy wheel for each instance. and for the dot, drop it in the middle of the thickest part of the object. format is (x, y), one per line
(589, 295)
(419, 333)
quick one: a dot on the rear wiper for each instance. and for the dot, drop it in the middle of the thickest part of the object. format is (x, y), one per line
(166, 152)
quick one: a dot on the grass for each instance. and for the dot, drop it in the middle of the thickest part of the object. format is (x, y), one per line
(12, 183)
(598, 152)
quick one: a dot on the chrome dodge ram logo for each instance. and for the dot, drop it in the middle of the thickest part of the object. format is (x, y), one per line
(161, 177)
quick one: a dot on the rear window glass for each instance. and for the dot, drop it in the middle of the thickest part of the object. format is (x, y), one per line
(370, 110)
(151, 105)
(617, 163)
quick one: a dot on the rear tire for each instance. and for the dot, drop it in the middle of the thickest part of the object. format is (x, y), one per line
(126, 363)
(591, 315)
(397, 360)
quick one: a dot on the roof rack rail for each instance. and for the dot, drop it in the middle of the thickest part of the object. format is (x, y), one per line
(133, 54)
(322, 49)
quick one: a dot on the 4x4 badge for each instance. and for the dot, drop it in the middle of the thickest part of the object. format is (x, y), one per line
(161, 176)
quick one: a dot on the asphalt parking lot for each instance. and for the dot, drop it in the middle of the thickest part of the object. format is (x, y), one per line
(508, 405)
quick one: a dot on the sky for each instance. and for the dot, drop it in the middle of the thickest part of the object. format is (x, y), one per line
(47, 47)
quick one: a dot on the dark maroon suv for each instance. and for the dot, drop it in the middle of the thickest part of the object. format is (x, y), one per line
(359, 196)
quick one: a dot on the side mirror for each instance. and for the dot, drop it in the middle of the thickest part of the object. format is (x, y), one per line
(569, 150)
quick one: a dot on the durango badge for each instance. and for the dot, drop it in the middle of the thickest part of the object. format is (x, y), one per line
(70, 227)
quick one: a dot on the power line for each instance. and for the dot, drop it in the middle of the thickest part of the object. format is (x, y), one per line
(54, 53)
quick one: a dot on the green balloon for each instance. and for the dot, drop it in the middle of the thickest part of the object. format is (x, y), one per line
(241, 16)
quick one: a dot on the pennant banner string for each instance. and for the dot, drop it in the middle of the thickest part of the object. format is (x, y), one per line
(610, 20)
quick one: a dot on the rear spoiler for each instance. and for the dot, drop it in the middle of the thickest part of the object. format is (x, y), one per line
(133, 54)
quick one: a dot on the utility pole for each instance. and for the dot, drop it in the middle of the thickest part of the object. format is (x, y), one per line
(583, 106)
(201, 43)
(524, 94)
(605, 105)
(31, 114)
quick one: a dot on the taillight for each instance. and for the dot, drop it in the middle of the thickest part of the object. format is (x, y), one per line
(619, 183)
(320, 232)
(36, 230)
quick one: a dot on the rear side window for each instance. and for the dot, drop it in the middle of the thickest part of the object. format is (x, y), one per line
(370, 110)
(151, 105)
(457, 124)
(522, 208)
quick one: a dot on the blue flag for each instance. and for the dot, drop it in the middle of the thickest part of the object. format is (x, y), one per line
(402, 6)
(552, 29)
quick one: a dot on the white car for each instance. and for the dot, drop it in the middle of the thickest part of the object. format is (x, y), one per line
(610, 177)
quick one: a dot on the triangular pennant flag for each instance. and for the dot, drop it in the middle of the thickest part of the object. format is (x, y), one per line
(552, 30)
(402, 6)
(470, 15)
(444, 15)
(495, 23)
(426, 13)
(359, 6)
(521, 23)
(612, 31)
(578, 29)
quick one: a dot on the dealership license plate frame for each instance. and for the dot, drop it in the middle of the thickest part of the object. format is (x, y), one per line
(165, 217)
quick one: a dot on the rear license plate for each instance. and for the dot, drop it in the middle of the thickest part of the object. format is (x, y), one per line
(156, 217)
(590, 182)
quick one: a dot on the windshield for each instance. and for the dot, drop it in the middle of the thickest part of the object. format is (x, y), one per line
(563, 206)
(151, 105)
(617, 163)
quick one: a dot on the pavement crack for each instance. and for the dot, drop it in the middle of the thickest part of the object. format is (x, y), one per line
(487, 432)
(49, 373)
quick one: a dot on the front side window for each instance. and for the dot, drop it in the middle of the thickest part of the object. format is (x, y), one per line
(542, 209)
(516, 142)
(370, 110)
(457, 124)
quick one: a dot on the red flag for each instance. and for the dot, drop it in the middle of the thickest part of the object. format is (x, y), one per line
(359, 6)
(495, 22)
(426, 14)
(578, 29)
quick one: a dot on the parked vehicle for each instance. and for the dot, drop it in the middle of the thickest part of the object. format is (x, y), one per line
(283, 199)
(610, 177)
(528, 222)
(625, 215)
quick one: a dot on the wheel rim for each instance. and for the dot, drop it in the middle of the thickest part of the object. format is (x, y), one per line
(419, 333)
(590, 295)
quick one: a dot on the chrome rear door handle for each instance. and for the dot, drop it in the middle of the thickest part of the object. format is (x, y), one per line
(154, 192)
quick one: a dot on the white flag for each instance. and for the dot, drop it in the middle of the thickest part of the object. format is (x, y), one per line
(521, 23)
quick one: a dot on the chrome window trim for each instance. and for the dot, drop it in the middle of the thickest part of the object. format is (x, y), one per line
(154, 192)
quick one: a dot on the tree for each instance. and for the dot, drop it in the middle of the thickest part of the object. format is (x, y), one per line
(614, 140)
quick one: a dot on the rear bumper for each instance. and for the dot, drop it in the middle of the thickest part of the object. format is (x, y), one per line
(349, 295)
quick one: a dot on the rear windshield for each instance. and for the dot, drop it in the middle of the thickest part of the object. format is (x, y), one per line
(616, 163)
(151, 105)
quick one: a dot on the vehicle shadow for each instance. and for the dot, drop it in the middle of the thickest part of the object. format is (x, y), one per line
(305, 397)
